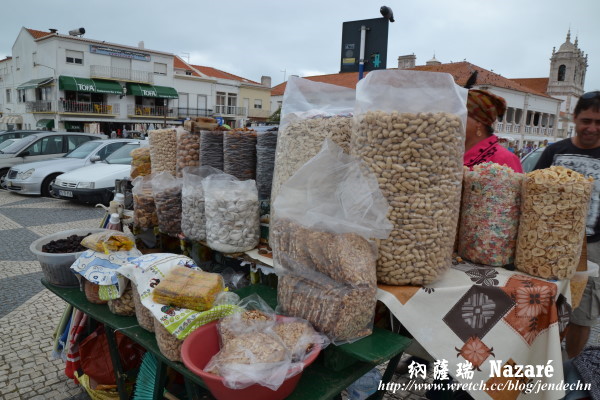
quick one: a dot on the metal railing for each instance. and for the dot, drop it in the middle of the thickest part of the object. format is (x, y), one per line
(509, 128)
(193, 112)
(230, 110)
(124, 74)
(71, 106)
(150, 111)
(39, 106)
(535, 130)
(499, 127)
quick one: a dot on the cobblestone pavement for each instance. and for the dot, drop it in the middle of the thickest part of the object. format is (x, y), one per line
(29, 313)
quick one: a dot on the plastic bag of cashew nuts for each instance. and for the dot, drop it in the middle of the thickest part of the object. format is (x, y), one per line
(552, 224)
(491, 207)
(144, 209)
(166, 190)
(193, 221)
(311, 112)
(163, 148)
(232, 213)
(409, 129)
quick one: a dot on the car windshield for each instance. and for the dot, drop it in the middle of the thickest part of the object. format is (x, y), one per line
(122, 155)
(528, 162)
(83, 150)
(8, 142)
(18, 146)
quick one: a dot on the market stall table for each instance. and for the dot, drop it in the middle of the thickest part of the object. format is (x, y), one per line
(482, 315)
(324, 379)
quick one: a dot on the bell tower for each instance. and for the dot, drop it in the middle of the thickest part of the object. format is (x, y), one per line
(568, 67)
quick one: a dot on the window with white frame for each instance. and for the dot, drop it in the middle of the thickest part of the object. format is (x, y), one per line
(74, 57)
(21, 95)
(18, 62)
(160, 68)
(34, 58)
(257, 103)
(8, 96)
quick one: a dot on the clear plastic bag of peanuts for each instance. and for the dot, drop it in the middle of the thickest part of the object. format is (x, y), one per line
(409, 129)
(491, 206)
(144, 209)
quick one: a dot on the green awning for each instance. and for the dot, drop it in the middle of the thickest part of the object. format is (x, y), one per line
(45, 123)
(163, 92)
(89, 85)
(34, 83)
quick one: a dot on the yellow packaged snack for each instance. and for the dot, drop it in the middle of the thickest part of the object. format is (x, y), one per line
(109, 241)
(187, 288)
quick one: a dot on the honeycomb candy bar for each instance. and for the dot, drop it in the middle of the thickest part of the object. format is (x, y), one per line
(187, 288)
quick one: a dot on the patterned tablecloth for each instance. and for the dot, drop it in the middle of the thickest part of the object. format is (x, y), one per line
(483, 314)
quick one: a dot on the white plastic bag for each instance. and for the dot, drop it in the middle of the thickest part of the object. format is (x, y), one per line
(193, 223)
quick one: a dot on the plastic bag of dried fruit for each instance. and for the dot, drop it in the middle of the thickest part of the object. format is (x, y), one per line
(491, 206)
(552, 224)
(409, 129)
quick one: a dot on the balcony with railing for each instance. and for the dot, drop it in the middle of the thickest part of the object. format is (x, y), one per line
(151, 111)
(230, 110)
(508, 128)
(121, 74)
(184, 112)
(40, 106)
(499, 127)
(78, 107)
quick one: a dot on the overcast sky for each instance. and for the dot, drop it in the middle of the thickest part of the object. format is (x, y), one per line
(513, 38)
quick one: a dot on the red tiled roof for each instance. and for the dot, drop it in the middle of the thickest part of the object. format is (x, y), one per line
(217, 73)
(179, 63)
(38, 34)
(460, 71)
(537, 84)
(6, 59)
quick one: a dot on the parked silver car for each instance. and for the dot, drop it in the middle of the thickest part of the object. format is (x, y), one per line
(37, 177)
(40, 146)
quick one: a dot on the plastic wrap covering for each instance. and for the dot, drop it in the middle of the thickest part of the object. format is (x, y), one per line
(144, 209)
(211, 149)
(140, 162)
(188, 150)
(193, 221)
(187, 288)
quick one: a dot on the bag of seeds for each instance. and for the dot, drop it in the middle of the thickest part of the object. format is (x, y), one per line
(266, 143)
(491, 206)
(239, 153)
(211, 148)
(311, 112)
(193, 223)
(409, 129)
(188, 150)
(232, 213)
(166, 190)
(163, 148)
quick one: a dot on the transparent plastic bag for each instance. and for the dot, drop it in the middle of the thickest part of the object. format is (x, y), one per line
(211, 149)
(140, 162)
(299, 337)
(163, 148)
(232, 214)
(188, 150)
(187, 288)
(552, 227)
(166, 190)
(239, 153)
(144, 208)
(193, 222)
(409, 129)
(123, 305)
(311, 112)
(255, 316)
(491, 206)
(109, 241)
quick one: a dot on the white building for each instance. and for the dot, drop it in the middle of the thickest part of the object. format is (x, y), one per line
(69, 82)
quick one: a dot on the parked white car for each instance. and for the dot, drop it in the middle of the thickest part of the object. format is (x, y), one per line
(37, 177)
(40, 146)
(96, 183)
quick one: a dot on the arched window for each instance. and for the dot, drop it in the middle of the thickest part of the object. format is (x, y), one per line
(562, 70)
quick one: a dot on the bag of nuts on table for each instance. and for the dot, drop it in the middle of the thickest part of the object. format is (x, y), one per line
(409, 129)
(491, 206)
(552, 225)
(239, 153)
(193, 221)
(311, 112)
(166, 190)
(232, 213)
(188, 150)
(163, 148)
(144, 209)
(328, 212)
(211, 148)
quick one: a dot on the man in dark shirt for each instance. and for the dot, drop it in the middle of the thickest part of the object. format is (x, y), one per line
(582, 154)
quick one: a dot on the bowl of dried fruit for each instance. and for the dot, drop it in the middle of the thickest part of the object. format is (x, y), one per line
(57, 252)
